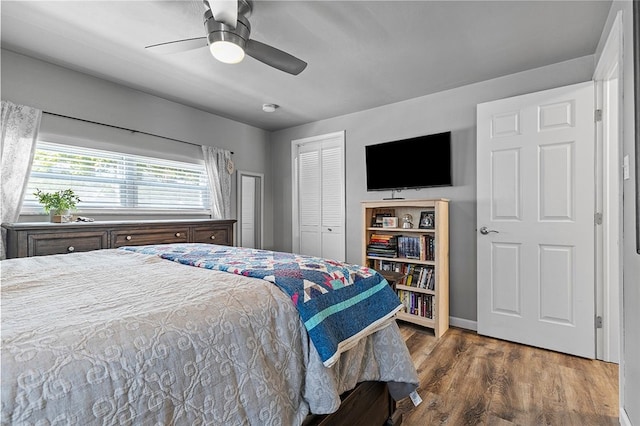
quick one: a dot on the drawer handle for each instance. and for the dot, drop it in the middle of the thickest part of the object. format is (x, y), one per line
(177, 234)
(128, 238)
(71, 249)
(213, 237)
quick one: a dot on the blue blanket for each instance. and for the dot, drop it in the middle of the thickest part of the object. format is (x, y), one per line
(338, 302)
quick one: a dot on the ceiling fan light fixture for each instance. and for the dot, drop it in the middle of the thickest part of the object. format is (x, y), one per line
(227, 52)
(227, 44)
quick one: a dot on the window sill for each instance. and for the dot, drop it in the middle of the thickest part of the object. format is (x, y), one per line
(132, 212)
(107, 214)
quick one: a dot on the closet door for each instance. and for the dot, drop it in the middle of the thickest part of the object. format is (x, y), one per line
(332, 205)
(310, 199)
(319, 196)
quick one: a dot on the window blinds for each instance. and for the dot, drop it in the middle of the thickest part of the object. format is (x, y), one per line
(117, 181)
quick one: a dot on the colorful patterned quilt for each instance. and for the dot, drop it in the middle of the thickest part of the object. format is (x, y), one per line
(113, 337)
(338, 302)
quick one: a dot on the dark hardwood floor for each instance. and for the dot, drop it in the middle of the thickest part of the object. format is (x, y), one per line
(467, 379)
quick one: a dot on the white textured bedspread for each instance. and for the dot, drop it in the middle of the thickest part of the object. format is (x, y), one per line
(115, 338)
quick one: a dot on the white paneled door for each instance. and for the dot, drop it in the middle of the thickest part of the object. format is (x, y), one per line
(248, 212)
(250, 194)
(535, 219)
(319, 196)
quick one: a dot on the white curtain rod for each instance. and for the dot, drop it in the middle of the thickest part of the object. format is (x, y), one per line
(121, 128)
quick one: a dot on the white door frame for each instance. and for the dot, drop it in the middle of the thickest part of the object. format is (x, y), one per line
(608, 78)
(259, 206)
(295, 222)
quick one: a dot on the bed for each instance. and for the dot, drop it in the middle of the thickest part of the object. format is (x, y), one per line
(135, 337)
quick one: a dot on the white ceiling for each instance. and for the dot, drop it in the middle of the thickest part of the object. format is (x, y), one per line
(361, 54)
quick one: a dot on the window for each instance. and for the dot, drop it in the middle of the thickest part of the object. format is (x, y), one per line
(115, 181)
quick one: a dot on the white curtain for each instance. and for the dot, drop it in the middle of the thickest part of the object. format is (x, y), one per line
(219, 167)
(17, 145)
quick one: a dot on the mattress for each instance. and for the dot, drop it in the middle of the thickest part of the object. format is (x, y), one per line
(116, 337)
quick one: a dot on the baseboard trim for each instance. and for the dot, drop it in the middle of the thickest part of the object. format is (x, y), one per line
(463, 323)
(624, 418)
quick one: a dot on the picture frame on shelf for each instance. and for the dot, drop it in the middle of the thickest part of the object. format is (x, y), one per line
(389, 222)
(377, 220)
(379, 214)
(427, 220)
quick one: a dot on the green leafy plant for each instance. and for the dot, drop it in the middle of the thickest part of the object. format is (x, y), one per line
(59, 201)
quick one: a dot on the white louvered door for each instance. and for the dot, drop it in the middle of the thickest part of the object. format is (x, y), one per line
(332, 206)
(309, 199)
(319, 196)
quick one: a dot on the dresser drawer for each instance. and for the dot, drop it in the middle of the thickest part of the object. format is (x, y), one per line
(60, 243)
(221, 236)
(138, 237)
(41, 238)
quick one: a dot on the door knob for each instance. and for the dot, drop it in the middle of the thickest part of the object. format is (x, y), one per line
(484, 230)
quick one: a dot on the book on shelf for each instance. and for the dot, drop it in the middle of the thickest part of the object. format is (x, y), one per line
(407, 247)
(419, 276)
(418, 304)
(409, 275)
(420, 247)
(430, 279)
(382, 245)
(429, 247)
(388, 265)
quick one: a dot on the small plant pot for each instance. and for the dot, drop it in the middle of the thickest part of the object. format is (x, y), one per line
(60, 216)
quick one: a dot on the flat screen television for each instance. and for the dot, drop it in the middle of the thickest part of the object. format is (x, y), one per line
(419, 162)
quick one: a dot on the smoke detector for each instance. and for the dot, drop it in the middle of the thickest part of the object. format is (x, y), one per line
(269, 107)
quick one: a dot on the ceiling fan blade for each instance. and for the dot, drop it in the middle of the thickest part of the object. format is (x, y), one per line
(275, 57)
(178, 45)
(225, 11)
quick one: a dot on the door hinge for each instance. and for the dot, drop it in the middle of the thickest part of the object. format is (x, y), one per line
(597, 218)
(598, 115)
(598, 321)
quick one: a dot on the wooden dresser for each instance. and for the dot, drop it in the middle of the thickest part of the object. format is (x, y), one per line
(39, 239)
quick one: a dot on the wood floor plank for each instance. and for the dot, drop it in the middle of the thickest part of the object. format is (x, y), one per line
(437, 373)
(467, 379)
(506, 401)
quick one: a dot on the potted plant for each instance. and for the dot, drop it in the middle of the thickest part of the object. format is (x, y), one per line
(58, 204)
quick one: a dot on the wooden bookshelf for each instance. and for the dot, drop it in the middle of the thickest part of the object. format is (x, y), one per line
(424, 256)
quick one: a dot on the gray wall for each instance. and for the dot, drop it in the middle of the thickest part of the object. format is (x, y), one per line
(453, 110)
(630, 364)
(59, 90)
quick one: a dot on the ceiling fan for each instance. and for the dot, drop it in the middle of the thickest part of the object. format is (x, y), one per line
(228, 30)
